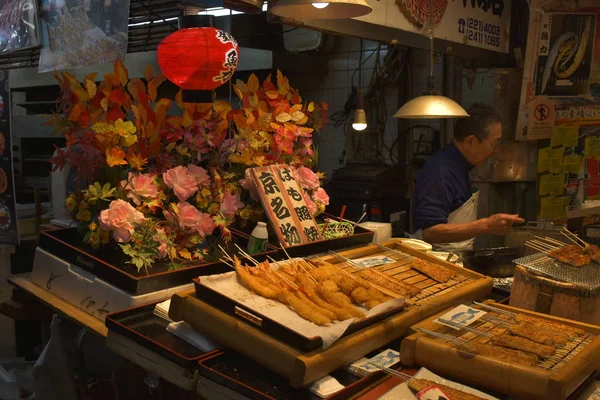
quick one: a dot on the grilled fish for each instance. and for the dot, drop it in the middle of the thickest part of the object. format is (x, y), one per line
(571, 331)
(421, 384)
(435, 272)
(503, 354)
(532, 332)
(523, 344)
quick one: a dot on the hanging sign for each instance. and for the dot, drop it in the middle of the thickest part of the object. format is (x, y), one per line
(283, 200)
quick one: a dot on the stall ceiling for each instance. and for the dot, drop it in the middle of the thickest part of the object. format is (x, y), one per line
(150, 21)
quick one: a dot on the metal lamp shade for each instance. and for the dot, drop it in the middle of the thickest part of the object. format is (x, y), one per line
(430, 107)
(336, 9)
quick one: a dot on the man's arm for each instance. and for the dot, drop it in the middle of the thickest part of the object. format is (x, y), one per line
(497, 224)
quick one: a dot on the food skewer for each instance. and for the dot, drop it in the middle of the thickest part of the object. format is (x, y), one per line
(568, 232)
(571, 239)
(392, 372)
(496, 309)
(552, 240)
(449, 338)
(360, 219)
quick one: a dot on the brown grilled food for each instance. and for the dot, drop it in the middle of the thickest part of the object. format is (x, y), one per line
(421, 384)
(539, 335)
(503, 354)
(435, 272)
(571, 331)
(523, 344)
(571, 254)
(593, 251)
(390, 283)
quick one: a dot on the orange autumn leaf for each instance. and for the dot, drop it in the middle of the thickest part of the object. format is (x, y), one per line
(91, 76)
(272, 94)
(104, 103)
(185, 254)
(90, 86)
(152, 91)
(114, 113)
(253, 84)
(159, 79)
(76, 112)
(311, 106)
(121, 72)
(116, 156)
(71, 139)
(268, 85)
(136, 160)
(111, 80)
(240, 121)
(118, 96)
(187, 119)
(149, 72)
(179, 99)
(282, 83)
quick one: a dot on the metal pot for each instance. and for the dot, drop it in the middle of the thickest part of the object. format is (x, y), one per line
(494, 262)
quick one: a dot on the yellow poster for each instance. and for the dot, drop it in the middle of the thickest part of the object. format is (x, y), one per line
(557, 138)
(557, 184)
(573, 164)
(558, 207)
(592, 147)
(555, 160)
(545, 186)
(543, 159)
(546, 207)
(570, 135)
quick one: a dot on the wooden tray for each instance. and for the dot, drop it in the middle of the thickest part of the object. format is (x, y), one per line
(302, 368)
(547, 380)
(109, 263)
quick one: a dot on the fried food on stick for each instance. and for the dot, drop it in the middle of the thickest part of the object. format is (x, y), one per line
(523, 344)
(435, 272)
(390, 283)
(303, 309)
(503, 354)
(311, 289)
(331, 293)
(307, 299)
(552, 338)
(571, 331)
(256, 284)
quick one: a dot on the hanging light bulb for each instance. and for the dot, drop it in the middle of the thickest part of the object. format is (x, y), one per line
(359, 123)
(431, 104)
(333, 9)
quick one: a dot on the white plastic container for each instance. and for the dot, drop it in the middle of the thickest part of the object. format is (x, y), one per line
(259, 239)
(383, 230)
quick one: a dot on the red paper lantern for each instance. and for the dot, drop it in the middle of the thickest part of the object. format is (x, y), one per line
(198, 58)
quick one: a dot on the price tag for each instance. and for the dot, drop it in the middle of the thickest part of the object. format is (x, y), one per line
(463, 315)
(572, 164)
(555, 162)
(543, 159)
(545, 185)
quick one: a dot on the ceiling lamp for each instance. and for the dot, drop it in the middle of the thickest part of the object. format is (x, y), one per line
(431, 104)
(359, 123)
(198, 58)
(307, 9)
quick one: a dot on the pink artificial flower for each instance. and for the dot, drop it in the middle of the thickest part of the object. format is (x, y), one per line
(312, 207)
(120, 218)
(179, 179)
(231, 203)
(308, 179)
(192, 220)
(140, 187)
(199, 174)
(248, 184)
(161, 238)
(321, 195)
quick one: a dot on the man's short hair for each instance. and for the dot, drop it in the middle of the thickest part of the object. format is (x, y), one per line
(482, 117)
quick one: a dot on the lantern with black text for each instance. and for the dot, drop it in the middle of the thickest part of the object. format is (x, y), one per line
(198, 58)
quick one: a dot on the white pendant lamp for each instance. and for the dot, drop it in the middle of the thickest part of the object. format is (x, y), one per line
(333, 9)
(431, 104)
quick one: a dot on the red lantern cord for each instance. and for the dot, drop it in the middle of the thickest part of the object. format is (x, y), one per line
(198, 58)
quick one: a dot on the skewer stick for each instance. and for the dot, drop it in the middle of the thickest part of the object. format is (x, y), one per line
(552, 240)
(571, 239)
(342, 212)
(495, 309)
(225, 253)
(576, 237)
(227, 263)
(360, 219)
(285, 251)
(536, 247)
(460, 342)
(306, 271)
(466, 328)
(542, 244)
(398, 252)
(392, 372)
(246, 255)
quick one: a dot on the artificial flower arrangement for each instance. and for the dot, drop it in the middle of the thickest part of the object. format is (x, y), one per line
(158, 185)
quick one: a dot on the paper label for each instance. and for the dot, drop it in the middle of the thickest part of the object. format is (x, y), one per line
(433, 393)
(592, 147)
(573, 164)
(545, 185)
(570, 135)
(557, 184)
(374, 261)
(555, 161)
(386, 358)
(543, 160)
(546, 207)
(463, 315)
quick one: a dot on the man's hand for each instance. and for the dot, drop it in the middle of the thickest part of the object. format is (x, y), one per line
(499, 224)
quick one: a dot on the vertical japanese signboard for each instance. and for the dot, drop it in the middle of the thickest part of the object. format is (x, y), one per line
(8, 215)
(283, 200)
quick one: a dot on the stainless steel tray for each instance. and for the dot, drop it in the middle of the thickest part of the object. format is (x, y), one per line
(588, 277)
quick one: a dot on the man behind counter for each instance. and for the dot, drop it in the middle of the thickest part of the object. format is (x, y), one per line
(445, 204)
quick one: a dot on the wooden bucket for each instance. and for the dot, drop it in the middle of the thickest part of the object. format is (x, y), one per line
(537, 293)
